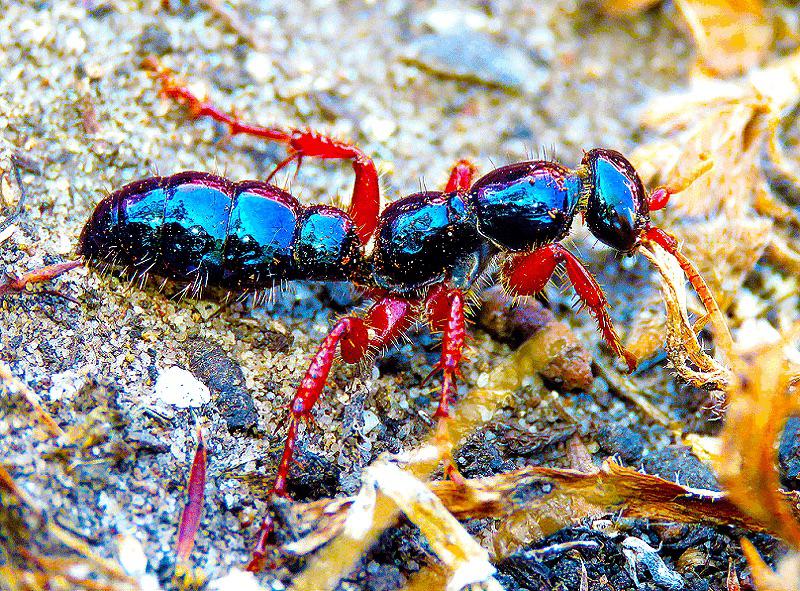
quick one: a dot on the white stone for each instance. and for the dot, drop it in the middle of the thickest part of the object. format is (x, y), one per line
(371, 421)
(236, 580)
(259, 66)
(131, 555)
(180, 388)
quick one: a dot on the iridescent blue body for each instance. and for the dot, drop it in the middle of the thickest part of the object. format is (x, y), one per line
(202, 228)
(199, 227)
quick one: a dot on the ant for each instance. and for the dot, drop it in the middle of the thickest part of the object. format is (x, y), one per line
(418, 257)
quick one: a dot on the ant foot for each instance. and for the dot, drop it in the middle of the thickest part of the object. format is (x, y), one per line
(445, 446)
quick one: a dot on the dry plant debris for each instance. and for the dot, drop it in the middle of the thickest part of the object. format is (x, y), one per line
(682, 344)
(726, 217)
(761, 400)
(510, 496)
(730, 36)
(38, 554)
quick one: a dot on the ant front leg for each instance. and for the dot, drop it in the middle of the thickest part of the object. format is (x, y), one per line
(445, 309)
(528, 273)
(365, 203)
(18, 284)
(658, 199)
(382, 324)
(461, 177)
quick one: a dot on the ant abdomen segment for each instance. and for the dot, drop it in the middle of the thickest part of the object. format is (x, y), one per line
(200, 227)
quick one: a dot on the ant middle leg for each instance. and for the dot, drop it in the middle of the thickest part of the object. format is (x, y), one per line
(365, 203)
(42, 275)
(383, 323)
(445, 310)
(461, 177)
(528, 273)
(19, 284)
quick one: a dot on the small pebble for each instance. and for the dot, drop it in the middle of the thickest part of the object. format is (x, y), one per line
(638, 551)
(180, 388)
(235, 579)
(371, 421)
(476, 57)
(131, 555)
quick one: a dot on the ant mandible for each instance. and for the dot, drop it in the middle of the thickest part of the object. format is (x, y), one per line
(418, 257)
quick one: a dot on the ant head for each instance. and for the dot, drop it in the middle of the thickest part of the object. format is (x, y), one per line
(615, 201)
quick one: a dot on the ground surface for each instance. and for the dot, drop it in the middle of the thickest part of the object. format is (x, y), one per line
(85, 118)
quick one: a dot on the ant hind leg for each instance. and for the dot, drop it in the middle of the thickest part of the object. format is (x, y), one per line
(365, 203)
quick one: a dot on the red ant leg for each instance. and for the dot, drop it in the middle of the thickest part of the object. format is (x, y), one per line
(461, 177)
(383, 323)
(445, 309)
(42, 275)
(365, 203)
(670, 244)
(528, 273)
(659, 198)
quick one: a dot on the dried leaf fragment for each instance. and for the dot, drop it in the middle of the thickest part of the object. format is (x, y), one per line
(682, 345)
(572, 496)
(760, 402)
(764, 578)
(730, 35)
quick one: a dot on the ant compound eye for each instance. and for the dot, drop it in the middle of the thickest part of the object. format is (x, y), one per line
(616, 209)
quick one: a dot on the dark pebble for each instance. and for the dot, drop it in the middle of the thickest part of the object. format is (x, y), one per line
(678, 464)
(563, 569)
(146, 442)
(621, 441)
(480, 457)
(789, 454)
(154, 41)
(312, 476)
(383, 577)
(102, 10)
(523, 572)
(226, 381)
(398, 553)
(476, 57)
(510, 322)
